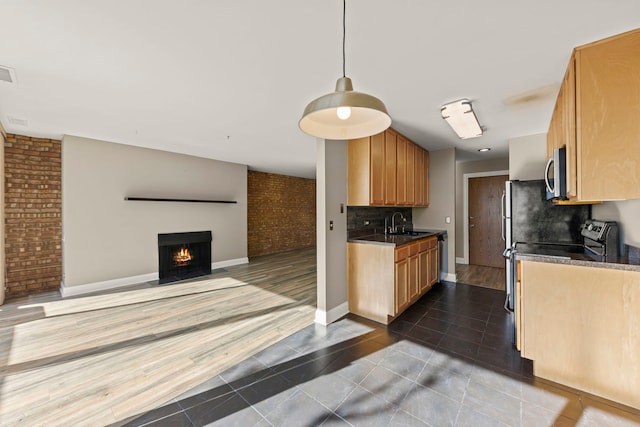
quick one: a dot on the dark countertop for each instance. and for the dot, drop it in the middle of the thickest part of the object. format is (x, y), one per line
(574, 255)
(395, 239)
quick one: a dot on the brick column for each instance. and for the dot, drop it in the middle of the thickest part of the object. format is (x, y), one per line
(33, 215)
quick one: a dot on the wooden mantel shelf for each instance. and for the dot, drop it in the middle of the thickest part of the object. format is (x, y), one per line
(160, 199)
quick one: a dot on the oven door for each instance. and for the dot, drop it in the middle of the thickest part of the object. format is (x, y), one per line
(555, 175)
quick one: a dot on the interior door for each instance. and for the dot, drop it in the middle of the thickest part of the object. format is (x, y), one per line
(485, 234)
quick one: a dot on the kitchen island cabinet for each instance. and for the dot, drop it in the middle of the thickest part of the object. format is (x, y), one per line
(384, 280)
(596, 119)
(581, 327)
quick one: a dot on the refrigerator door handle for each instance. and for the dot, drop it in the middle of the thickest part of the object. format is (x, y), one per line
(546, 176)
(506, 305)
(504, 218)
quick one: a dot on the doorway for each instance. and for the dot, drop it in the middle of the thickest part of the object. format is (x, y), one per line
(485, 221)
(483, 264)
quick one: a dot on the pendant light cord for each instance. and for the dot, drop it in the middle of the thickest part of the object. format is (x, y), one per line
(344, 33)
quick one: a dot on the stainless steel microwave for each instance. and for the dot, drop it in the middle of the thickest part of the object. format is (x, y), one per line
(555, 175)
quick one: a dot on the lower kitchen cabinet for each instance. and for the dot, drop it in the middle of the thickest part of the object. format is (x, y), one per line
(384, 280)
(401, 288)
(581, 327)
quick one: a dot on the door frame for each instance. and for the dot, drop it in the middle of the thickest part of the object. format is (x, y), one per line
(465, 209)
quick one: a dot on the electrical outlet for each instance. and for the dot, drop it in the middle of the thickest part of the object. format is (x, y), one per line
(447, 219)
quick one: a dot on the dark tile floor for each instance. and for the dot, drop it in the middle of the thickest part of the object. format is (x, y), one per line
(447, 360)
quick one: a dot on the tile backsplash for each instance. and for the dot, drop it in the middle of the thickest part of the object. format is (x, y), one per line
(358, 215)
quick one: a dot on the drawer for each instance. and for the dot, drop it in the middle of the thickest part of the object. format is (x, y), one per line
(433, 242)
(413, 249)
(424, 246)
(402, 253)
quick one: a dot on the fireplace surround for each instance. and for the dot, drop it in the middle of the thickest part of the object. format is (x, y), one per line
(183, 255)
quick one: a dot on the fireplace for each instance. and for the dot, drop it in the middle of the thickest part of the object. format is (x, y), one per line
(183, 255)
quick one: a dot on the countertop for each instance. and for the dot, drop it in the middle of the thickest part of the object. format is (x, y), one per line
(574, 255)
(395, 239)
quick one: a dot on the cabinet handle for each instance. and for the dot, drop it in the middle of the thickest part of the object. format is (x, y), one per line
(546, 177)
(471, 225)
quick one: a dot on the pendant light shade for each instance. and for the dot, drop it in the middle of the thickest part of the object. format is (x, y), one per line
(344, 114)
(364, 114)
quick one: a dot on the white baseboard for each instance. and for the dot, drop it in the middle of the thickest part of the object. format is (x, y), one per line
(448, 277)
(229, 263)
(68, 291)
(326, 317)
(87, 288)
(462, 260)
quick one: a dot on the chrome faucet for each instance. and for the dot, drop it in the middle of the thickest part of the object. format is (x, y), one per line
(394, 227)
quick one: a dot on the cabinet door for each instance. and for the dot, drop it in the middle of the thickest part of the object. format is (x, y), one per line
(424, 271)
(569, 126)
(419, 177)
(426, 177)
(390, 167)
(376, 170)
(401, 170)
(433, 265)
(401, 286)
(608, 125)
(411, 174)
(414, 278)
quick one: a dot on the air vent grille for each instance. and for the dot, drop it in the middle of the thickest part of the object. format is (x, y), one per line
(7, 75)
(17, 121)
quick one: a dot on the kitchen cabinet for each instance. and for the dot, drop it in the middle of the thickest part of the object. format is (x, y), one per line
(401, 286)
(387, 170)
(384, 280)
(581, 327)
(425, 178)
(401, 170)
(390, 161)
(596, 119)
(410, 173)
(419, 178)
(414, 272)
(433, 262)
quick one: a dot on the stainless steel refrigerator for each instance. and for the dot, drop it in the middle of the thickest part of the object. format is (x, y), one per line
(531, 222)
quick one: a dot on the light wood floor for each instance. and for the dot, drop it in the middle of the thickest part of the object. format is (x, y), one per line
(478, 275)
(101, 359)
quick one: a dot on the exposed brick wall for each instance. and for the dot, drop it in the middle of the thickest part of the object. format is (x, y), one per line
(281, 213)
(33, 215)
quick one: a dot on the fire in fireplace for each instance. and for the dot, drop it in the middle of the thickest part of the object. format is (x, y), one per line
(183, 255)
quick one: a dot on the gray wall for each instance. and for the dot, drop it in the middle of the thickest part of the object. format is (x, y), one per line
(107, 238)
(527, 157)
(331, 193)
(442, 203)
(463, 168)
(627, 214)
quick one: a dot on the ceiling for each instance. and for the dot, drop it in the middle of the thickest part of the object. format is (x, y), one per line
(229, 79)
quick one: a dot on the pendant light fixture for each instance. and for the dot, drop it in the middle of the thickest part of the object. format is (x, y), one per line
(344, 114)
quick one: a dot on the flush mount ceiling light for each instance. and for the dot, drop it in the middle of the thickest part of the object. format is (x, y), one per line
(344, 114)
(462, 119)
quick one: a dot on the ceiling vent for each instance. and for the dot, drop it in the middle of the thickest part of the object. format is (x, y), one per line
(16, 121)
(7, 74)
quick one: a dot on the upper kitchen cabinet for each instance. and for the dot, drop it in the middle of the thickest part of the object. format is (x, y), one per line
(387, 170)
(596, 119)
